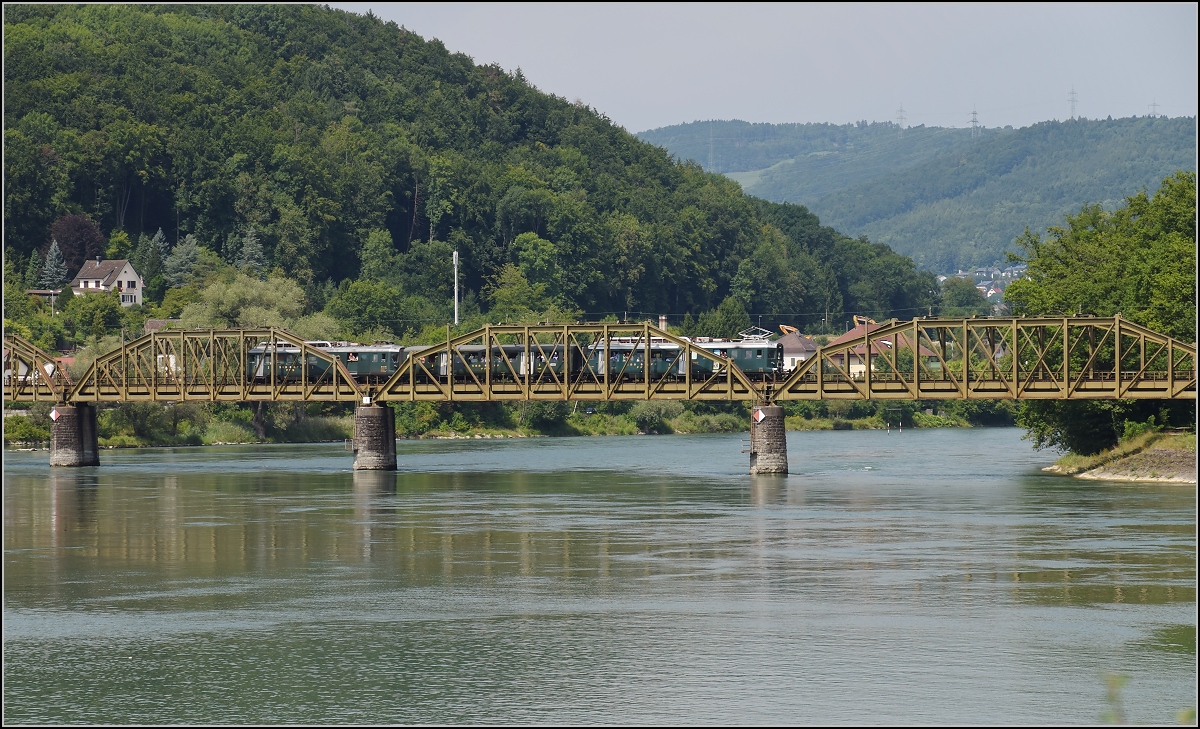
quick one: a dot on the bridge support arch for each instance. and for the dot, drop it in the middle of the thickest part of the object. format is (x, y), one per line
(374, 438)
(73, 436)
(768, 441)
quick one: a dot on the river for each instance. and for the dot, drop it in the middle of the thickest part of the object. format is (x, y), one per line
(933, 576)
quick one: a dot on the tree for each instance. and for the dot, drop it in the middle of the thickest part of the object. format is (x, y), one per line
(78, 238)
(147, 261)
(251, 259)
(33, 270)
(54, 273)
(725, 321)
(512, 296)
(94, 314)
(378, 256)
(178, 267)
(1138, 261)
(160, 242)
(960, 297)
(17, 304)
(119, 246)
(246, 302)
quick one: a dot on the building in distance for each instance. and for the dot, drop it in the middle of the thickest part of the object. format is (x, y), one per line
(100, 276)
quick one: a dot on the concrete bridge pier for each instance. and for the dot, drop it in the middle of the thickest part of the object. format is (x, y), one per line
(768, 441)
(73, 436)
(374, 438)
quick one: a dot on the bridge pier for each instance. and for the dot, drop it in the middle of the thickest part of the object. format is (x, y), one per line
(73, 436)
(768, 441)
(374, 438)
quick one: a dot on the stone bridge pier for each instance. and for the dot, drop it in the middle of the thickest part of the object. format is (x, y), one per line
(73, 436)
(374, 438)
(768, 441)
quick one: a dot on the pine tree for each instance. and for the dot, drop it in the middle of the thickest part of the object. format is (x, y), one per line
(146, 259)
(54, 273)
(251, 260)
(182, 260)
(160, 242)
(32, 270)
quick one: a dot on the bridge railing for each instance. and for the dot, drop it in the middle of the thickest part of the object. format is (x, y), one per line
(568, 362)
(31, 375)
(1014, 358)
(216, 364)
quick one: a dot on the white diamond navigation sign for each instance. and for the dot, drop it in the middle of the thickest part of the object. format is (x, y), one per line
(758, 415)
(54, 415)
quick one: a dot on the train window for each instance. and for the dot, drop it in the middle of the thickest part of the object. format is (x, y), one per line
(759, 353)
(375, 358)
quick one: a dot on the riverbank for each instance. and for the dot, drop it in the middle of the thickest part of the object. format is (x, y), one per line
(644, 421)
(1150, 457)
(134, 425)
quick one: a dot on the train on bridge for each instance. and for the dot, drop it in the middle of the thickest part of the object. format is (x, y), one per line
(622, 358)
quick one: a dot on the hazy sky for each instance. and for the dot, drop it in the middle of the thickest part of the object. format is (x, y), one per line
(647, 66)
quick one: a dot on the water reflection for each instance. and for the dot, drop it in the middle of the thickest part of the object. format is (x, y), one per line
(680, 590)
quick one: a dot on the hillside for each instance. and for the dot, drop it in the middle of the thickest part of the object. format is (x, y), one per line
(805, 162)
(350, 157)
(948, 200)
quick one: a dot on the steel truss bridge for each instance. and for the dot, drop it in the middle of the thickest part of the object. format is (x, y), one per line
(1070, 358)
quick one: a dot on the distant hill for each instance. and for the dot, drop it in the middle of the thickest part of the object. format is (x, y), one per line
(946, 198)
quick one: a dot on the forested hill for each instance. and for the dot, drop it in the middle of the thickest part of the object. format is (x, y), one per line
(336, 150)
(948, 199)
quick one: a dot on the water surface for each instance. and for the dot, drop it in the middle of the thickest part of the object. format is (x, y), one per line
(933, 576)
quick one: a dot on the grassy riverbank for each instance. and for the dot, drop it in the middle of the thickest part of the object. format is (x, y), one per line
(1149, 456)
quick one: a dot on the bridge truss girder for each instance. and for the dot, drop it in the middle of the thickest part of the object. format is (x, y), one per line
(1106, 358)
(215, 365)
(31, 375)
(447, 372)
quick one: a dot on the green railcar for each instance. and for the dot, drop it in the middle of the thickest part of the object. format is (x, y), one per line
(369, 363)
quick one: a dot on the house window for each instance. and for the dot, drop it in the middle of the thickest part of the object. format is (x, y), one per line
(119, 288)
(85, 284)
(132, 285)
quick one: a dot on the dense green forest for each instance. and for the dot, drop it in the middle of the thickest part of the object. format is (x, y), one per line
(1138, 261)
(236, 152)
(948, 199)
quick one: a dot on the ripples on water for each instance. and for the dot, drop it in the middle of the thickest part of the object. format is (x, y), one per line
(934, 576)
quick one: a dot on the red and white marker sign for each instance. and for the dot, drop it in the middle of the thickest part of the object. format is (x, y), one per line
(758, 415)
(54, 415)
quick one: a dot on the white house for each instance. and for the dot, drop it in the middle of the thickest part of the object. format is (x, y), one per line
(99, 276)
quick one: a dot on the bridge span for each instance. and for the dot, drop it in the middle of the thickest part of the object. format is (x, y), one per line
(1068, 358)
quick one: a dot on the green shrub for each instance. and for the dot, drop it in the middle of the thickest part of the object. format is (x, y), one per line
(22, 429)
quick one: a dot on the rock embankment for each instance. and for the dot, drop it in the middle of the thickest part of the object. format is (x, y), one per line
(1156, 464)
(1154, 456)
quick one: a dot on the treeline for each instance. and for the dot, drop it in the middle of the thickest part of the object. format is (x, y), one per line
(1138, 261)
(351, 157)
(948, 199)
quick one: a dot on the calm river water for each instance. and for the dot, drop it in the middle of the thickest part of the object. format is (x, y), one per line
(923, 577)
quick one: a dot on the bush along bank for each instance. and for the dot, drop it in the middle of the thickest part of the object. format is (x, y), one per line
(448, 420)
(132, 425)
(881, 414)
